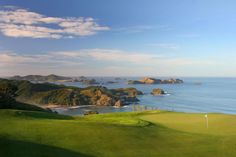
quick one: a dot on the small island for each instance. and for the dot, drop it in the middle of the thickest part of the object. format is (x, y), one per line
(149, 80)
(158, 91)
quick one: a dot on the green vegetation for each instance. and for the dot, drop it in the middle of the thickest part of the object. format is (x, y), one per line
(131, 92)
(150, 133)
(52, 94)
(7, 100)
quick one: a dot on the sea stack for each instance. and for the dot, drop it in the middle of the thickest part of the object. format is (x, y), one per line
(158, 91)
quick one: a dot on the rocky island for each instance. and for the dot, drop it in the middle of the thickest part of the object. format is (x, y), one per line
(148, 80)
(158, 91)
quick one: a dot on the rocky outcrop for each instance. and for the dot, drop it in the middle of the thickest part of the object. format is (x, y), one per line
(100, 96)
(127, 95)
(158, 91)
(118, 104)
(172, 81)
(148, 80)
(105, 100)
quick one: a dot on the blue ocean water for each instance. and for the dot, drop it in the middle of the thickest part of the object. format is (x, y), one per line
(202, 95)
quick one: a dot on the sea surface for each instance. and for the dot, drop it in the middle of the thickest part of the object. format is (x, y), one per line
(197, 95)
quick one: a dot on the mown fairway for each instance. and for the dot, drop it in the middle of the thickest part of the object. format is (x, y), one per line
(153, 133)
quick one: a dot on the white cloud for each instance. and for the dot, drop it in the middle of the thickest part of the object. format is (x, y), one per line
(13, 59)
(15, 22)
(110, 55)
(9, 58)
(13, 30)
(98, 62)
(134, 58)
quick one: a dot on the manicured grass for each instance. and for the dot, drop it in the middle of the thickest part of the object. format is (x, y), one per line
(151, 133)
(218, 124)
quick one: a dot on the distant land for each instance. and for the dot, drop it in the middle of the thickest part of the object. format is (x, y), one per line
(148, 80)
(85, 80)
(54, 78)
(40, 78)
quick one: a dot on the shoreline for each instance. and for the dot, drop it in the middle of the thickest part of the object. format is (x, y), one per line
(51, 106)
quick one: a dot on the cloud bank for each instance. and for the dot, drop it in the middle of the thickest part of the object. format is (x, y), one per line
(15, 22)
(103, 62)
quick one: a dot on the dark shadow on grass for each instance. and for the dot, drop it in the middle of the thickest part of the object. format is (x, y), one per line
(13, 148)
(42, 115)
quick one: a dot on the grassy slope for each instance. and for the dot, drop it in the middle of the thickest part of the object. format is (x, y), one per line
(27, 134)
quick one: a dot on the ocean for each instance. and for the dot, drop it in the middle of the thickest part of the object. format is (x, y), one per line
(195, 95)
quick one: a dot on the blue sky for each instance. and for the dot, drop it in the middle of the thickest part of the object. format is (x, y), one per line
(118, 38)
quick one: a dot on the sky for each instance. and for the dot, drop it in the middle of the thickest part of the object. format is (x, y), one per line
(118, 38)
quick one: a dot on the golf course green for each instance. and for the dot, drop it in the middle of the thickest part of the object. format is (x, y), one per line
(137, 134)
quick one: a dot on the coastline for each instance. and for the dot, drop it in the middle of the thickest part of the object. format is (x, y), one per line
(53, 106)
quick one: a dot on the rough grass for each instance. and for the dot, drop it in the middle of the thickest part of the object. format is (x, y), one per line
(156, 133)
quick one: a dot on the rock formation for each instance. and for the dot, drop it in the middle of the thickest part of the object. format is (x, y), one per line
(158, 91)
(118, 103)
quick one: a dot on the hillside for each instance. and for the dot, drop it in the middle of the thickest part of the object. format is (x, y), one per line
(40, 78)
(52, 94)
(7, 98)
(7, 102)
(151, 133)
